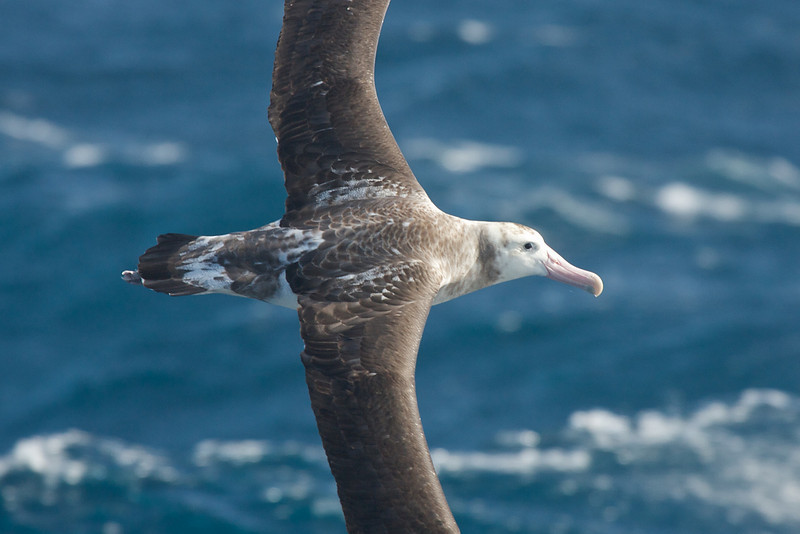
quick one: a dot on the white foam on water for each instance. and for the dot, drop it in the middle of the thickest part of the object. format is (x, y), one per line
(74, 456)
(281, 474)
(213, 452)
(580, 211)
(464, 156)
(44, 469)
(84, 155)
(712, 456)
(78, 153)
(735, 459)
(527, 461)
(474, 32)
(45, 455)
(77, 191)
(687, 201)
(162, 153)
(209, 452)
(746, 188)
(764, 173)
(35, 130)
(519, 438)
(616, 188)
(785, 211)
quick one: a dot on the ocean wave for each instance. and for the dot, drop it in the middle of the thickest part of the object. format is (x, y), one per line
(739, 456)
(58, 482)
(213, 452)
(580, 211)
(735, 187)
(75, 152)
(526, 461)
(475, 32)
(463, 156)
(75, 457)
(734, 462)
(33, 130)
(768, 173)
(479, 32)
(737, 459)
(688, 202)
(91, 483)
(746, 188)
(511, 196)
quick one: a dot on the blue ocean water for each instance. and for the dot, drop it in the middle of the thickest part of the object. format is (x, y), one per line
(655, 143)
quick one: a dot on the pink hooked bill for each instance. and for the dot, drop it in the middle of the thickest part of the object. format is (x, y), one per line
(561, 270)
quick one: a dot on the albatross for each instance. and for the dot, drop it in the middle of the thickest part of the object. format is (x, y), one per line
(362, 254)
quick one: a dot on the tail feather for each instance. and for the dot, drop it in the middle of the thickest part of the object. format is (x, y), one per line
(158, 266)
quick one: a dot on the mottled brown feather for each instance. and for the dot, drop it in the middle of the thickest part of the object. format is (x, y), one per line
(360, 354)
(333, 141)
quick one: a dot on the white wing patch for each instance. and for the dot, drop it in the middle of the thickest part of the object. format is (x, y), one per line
(201, 265)
(202, 270)
(377, 187)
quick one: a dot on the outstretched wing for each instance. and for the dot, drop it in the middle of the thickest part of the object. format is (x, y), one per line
(361, 344)
(333, 141)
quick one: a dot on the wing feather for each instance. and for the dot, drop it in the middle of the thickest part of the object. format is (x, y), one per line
(333, 141)
(360, 354)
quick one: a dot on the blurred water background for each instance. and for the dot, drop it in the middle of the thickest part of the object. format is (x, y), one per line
(656, 143)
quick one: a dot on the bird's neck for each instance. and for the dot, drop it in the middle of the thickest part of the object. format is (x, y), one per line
(468, 263)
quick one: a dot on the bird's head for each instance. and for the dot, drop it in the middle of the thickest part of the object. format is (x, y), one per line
(512, 251)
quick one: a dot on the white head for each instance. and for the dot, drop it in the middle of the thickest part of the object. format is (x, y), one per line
(509, 251)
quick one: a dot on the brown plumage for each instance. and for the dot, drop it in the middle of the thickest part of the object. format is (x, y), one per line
(361, 253)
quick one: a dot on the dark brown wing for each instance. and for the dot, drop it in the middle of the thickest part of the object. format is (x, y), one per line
(333, 142)
(361, 346)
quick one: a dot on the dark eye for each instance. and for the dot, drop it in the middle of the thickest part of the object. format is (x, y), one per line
(528, 246)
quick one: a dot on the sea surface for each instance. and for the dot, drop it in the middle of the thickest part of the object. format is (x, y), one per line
(656, 143)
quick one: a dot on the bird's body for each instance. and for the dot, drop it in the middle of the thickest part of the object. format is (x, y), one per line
(352, 244)
(361, 253)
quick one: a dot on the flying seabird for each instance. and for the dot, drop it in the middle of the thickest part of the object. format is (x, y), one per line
(362, 254)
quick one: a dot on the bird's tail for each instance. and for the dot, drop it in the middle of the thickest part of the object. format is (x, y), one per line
(163, 268)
